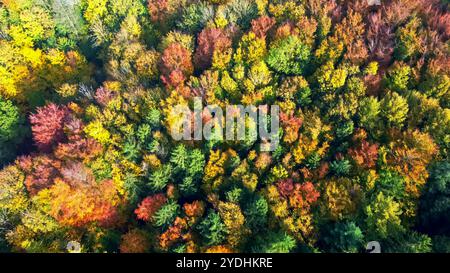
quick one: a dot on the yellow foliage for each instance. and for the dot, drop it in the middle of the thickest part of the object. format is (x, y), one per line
(251, 49)
(341, 197)
(13, 197)
(96, 130)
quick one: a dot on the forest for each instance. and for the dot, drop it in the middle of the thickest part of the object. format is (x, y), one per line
(88, 164)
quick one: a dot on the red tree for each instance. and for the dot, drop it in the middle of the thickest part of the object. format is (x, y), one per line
(149, 206)
(40, 172)
(135, 241)
(176, 65)
(47, 125)
(78, 147)
(362, 152)
(210, 40)
(262, 25)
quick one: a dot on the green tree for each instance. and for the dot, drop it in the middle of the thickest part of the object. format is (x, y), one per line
(12, 130)
(274, 242)
(289, 56)
(212, 229)
(435, 203)
(383, 217)
(394, 109)
(343, 237)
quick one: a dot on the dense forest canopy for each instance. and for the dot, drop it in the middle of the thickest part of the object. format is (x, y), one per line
(87, 89)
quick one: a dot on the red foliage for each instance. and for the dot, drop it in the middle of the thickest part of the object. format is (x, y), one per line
(149, 206)
(380, 37)
(210, 40)
(173, 233)
(285, 30)
(40, 172)
(362, 152)
(78, 147)
(440, 22)
(160, 10)
(262, 25)
(135, 241)
(291, 124)
(176, 65)
(285, 187)
(323, 170)
(48, 125)
(310, 194)
(194, 209)
(398, 11)
(103, 96)
(299, 195)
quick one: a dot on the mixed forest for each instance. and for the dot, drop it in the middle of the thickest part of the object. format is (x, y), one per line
(87, 89)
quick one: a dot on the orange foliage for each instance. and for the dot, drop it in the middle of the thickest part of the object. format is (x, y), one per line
(78, 204)
(149, 206)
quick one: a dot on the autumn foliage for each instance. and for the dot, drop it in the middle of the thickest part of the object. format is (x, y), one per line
(87, 155)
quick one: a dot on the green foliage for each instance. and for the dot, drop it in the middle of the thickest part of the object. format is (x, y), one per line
(412, 242)
(255, 212)
(343, 237)
(408, 43)
(341, 167)
(383, 217)
(159, 179)
(195, 17)
(398, 78)
(435, 203)
(212, 229)
(368, 112)
(289, 56)
(274, 242)
(394, 109)
(166, 214)
(12, 130)
(179, 158)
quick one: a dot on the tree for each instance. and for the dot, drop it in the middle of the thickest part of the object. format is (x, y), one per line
(135, 241)
(212, 229)
(411, 242)
(341, 198)
(149, 206)
(274, 242)
(394, 109)
(435, 202)
(262, 25)
(289, 56)
(210, 40)
(363, 153)
(368, 113)
(80, 204)
(159, 179)
(41, 171)
(195, 17)
(343, 237)
(48, 126)
(397, 79)
(12, 130)
(176, 64)
(13, 196)
(383, 217)
(166, 214)
(408, 42)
